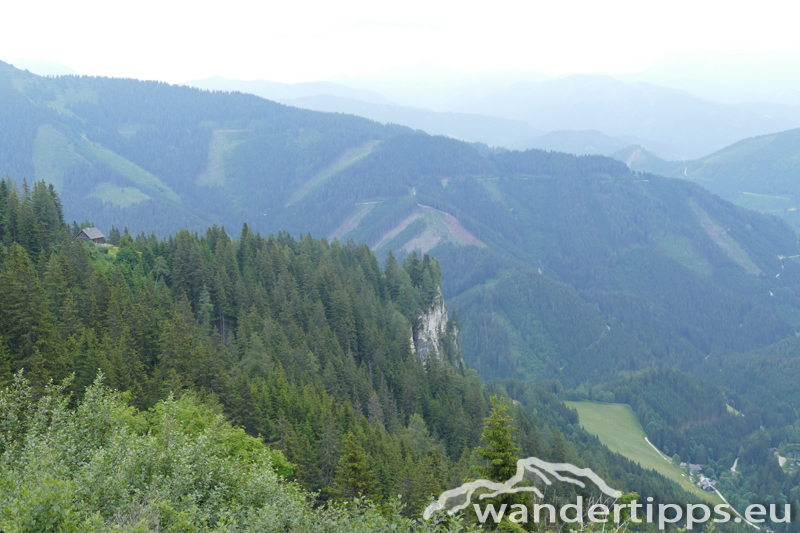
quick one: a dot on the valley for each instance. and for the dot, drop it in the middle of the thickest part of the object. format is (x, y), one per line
(757, 173)
(315, 267)
(579, 246)
(280, 263)
(618, 428)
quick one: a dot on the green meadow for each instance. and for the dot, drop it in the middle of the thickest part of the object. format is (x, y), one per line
(618, 428)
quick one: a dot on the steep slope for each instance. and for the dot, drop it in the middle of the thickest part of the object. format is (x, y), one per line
(588, 270)
(159, 157)
(603, 274)
(759, 173)
(563, 267)
(309, 346)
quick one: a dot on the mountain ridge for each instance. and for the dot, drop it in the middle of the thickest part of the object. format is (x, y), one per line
(756, 173)
(549, 257)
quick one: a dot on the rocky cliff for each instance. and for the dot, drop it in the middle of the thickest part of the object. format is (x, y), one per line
(433, 335)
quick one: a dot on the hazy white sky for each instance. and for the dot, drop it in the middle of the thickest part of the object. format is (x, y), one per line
(305, 40)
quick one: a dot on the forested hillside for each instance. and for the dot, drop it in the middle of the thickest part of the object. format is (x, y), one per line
(302, 343)
(591, 270)
(561, 267)
(154, 157)
(564, 270)
(692, 421)
(757, 173)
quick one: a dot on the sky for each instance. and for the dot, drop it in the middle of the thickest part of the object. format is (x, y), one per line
(307, 40)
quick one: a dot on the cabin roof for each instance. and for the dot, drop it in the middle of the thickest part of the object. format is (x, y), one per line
(93, 233)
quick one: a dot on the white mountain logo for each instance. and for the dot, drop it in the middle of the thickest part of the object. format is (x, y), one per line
(449, 499)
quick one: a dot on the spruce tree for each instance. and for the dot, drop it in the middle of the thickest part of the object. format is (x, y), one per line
(5, 365)
(354, 475)
(558, 449)
(204, 308)
(24, 318)
(499, 449)
(11, 216)
(114, 235)
(160, 269)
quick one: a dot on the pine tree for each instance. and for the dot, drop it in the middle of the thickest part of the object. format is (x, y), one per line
(114, 235)
(5, 190)
(27, 226)
(354, 475)
(289, 444)
(24, 317)
(160, 269)
(499, 449)
(375, 411)
(328, 450)
(5, 365)
(204, 308)
(558, 449)
(48, 213)
(88, 360)
(460, 472)
(11, 216)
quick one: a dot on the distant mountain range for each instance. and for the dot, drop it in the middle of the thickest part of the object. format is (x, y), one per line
(272, 90)
(501, 132)
(729, 77)
(562, 267)
(671, 122)
(502, 111)
(336, 98)
(760, 173)
(577, 142)
(42, 67)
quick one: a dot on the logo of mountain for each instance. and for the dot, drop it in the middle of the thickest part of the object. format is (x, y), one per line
(455, 500)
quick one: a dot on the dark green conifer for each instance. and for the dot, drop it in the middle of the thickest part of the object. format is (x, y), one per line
(5, 365)
(499, 449)
(354, 475)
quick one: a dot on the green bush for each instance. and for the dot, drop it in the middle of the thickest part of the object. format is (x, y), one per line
(179, 467)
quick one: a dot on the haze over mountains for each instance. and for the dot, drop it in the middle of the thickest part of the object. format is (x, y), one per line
(729, 77)
(667, 120)
(677, 124)
(581, 274)
(549, 257)
(682, 107)
(760, 173)
(335, 98)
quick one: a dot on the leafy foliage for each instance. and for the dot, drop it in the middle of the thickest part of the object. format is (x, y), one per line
(102, 466)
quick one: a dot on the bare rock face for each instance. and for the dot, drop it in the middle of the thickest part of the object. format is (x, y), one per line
(431, 332)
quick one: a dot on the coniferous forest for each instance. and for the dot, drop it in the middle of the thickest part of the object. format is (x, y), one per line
(290, 358)
(251, 348)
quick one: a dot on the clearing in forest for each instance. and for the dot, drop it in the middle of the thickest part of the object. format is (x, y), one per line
(618, 427)
(350, 157)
